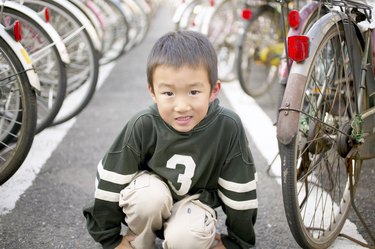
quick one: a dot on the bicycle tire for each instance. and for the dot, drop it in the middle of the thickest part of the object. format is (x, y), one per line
(92, 17)
(189, 14)
(138, 23)
(83, 70)
(116, 30)
(49, 65)
(14, 151)
(181, 17)
(220, 27)
(261, 32)
(314, 159)
(143, 13)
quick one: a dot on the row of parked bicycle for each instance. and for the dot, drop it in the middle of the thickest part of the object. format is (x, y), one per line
(50, 55)
(322, 54)
(247, 35)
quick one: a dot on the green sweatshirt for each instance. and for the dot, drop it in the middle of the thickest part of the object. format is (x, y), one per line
(212, 159)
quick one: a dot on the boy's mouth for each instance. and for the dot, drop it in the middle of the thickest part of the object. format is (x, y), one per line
(183, 120)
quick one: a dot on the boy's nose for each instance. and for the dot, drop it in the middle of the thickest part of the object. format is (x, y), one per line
(182, 106)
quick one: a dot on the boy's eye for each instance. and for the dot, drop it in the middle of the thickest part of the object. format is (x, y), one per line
(194, 92)
(167, 93)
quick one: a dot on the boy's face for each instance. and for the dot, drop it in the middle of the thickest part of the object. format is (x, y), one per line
(182, 95)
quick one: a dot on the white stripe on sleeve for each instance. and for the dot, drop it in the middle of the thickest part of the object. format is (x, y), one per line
(113, 176)
(238, 205)
(237, 187)
(107, 196)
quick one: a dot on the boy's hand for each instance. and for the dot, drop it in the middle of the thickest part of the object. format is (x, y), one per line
(125, 242)
(219, 244)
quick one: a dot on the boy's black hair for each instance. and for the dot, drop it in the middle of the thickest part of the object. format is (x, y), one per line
(183, 48)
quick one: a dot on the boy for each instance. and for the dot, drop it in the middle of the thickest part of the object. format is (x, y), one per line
(176, 161)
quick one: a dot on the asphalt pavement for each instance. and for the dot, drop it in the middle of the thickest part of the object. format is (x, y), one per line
(49, 213)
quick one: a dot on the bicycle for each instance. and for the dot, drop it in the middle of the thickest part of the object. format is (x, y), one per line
(219, 21)
(259, 47)
(18, 108)
(83, 45)
(325, 123)
(49, 55)
(140, 20)
(184, 13)
(222, 24)
(116, 29)
(261, 44)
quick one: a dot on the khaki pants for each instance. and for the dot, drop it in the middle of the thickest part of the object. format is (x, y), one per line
(148, 207)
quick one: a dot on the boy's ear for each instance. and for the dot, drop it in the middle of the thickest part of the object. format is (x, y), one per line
(151, 91)
(215, 91)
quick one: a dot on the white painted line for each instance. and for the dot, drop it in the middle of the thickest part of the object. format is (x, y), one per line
(256, 122)
(263, 133)
(43, 145)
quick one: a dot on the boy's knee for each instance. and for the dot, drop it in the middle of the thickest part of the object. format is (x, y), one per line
(146, 195)
(191, 226)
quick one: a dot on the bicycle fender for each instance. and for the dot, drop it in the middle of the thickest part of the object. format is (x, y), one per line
(288, 119)
(305, 13)
(179, 12)
(24, 58)
(56, 39)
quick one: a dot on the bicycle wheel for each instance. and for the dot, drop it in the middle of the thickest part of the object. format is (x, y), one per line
(191, 13)
(138, 22)
(143, 12)
(18, 112)
(47, 61)
(315, 179)
(221, 28)
(115, 35)
(83, 69)
(259, 51)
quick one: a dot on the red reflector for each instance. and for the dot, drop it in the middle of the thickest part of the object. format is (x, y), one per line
(17, 31)
(212, 2)
(298, 47)
(246, 14)
(294, 19)
(46, 14)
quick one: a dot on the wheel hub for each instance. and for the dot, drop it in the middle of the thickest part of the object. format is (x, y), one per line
(344, 140)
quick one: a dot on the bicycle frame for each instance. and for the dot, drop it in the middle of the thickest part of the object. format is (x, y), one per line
(367, 149)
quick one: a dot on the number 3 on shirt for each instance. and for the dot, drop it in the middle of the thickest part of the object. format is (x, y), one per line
(185, 178)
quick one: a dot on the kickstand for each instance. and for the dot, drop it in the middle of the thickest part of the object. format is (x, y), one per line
(352, 189)
(270, 165)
